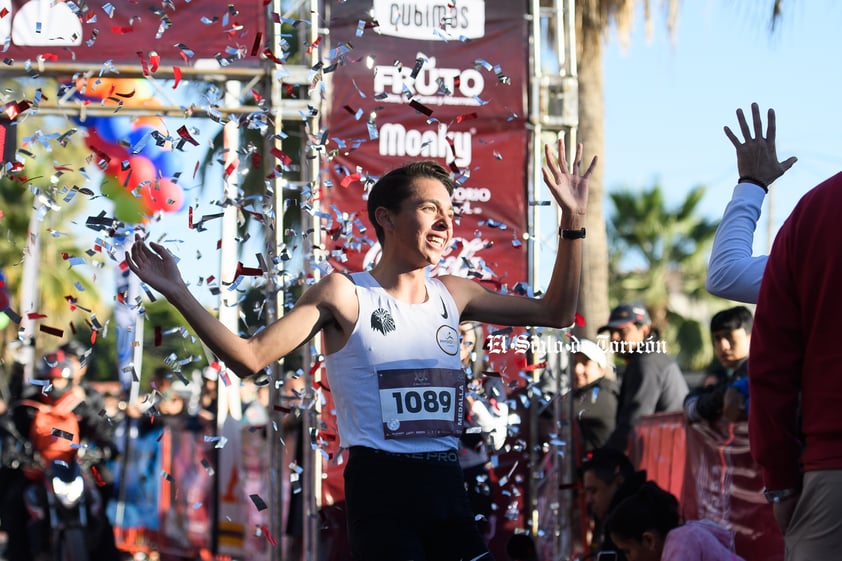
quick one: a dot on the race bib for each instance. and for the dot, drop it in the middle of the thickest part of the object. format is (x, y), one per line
(422, 402)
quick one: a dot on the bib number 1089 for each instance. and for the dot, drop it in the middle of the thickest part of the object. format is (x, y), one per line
(430, 401)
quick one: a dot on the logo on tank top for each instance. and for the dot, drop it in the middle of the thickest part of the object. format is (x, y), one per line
(448, 340)
(382, 321)
(443, 308)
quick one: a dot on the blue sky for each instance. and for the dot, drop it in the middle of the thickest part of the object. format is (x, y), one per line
(667, 100)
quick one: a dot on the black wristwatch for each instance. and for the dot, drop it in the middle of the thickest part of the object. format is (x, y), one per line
(779, 495)
(572, 234)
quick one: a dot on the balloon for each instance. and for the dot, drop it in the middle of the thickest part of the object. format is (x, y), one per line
(163, 195)
(133, 91)
(110, 154)
(141, 140)
(167, 162)
(4, 321)
(111, 129)
(127, 207)
(140, 168)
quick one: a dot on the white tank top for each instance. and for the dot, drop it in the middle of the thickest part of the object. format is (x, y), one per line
(397, 382)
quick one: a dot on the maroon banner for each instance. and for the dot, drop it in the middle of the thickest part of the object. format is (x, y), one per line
(424, 79)
(130, 32)
(710, 470)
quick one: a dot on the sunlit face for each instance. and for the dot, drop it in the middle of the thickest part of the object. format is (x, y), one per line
(631, 335)
(585, 370)
(424, 224)
(731, 347)
(649, 548)
(599, 494)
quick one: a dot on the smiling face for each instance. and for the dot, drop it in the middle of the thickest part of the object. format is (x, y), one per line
(585, 370)
(421, 229)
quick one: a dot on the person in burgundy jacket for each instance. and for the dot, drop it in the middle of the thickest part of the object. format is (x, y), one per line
(795, 376)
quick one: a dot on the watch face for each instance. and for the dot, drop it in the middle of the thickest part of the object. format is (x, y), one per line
(778, 496)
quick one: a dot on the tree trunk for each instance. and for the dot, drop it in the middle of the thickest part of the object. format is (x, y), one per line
(593, 292)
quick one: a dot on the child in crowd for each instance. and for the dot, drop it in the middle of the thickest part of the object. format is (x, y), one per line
(646, 527)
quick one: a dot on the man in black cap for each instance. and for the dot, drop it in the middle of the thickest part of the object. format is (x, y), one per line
(651, 381)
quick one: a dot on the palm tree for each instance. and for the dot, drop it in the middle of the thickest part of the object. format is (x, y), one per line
(659, 258)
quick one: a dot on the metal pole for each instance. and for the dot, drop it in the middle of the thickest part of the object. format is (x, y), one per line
(29, 297)
(312, 495)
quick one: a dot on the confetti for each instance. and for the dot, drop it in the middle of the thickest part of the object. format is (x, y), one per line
(420, 108)
(58, 433)
(259, 503)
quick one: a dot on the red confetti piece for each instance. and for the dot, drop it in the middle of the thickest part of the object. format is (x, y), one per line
(230, 168)
(4, 12)
(176, 72)
(100, 482)
(271, 56)
(247, 271)
(121, 30)
(12, 109)
(536, 366)
(185, 134)
(35, 315)
(51, 330)
(255, 48)
(158, 336)
(466, 117)
(348, 179)
(580, 320)
(282, 156)
(265, 531)
(143, 64)
(315, 367)
(154, 61)
(313, 45)
(190, 218)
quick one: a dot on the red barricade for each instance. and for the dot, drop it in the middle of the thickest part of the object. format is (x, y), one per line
(711, 471)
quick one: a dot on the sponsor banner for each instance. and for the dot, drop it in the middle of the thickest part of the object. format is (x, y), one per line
(96, 31)
(398, 95)
(488, 237)
(394, 53)
(424, 19)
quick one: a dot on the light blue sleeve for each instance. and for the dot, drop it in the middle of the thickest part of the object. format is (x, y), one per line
(733, 272)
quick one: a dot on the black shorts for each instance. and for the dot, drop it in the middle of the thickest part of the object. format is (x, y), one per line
(405, 507)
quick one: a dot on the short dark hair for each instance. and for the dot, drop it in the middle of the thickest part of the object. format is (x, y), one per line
(395, 187)
(738, 317)
(650, 509)
(606, 464)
